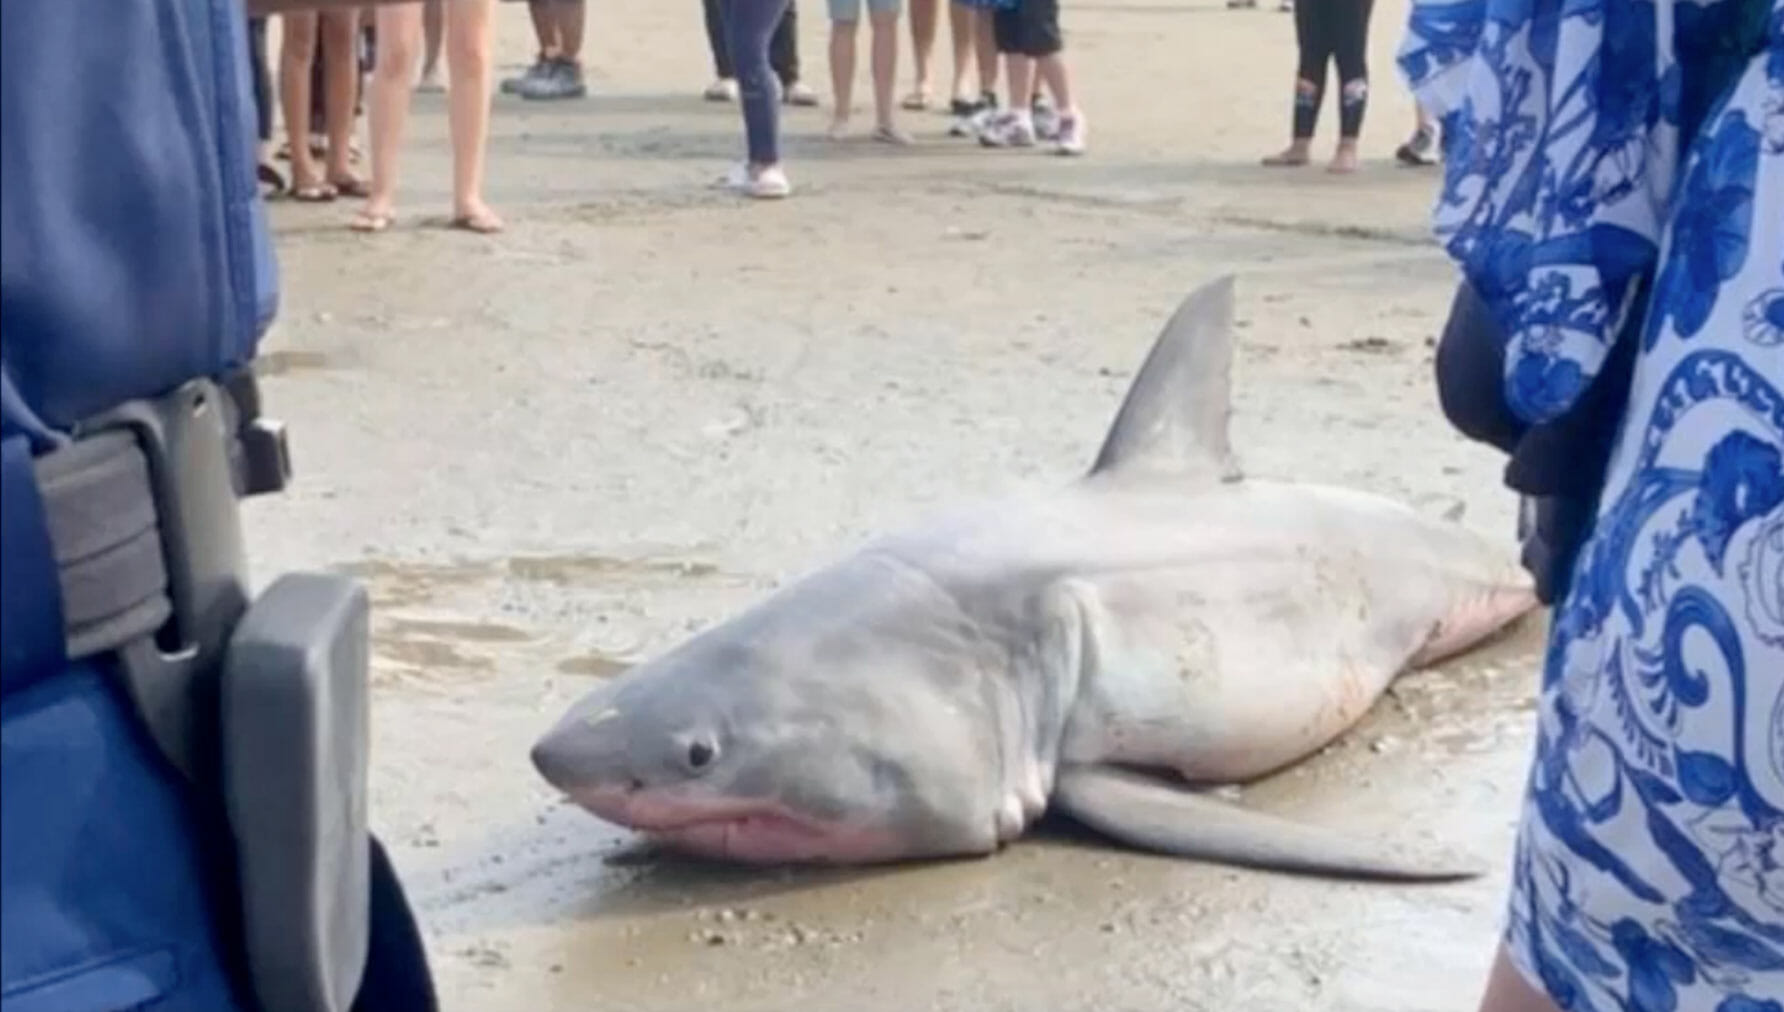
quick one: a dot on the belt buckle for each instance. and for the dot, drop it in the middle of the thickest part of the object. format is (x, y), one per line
(187, 436)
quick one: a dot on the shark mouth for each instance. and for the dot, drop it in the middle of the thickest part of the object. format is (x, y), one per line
(755, 831)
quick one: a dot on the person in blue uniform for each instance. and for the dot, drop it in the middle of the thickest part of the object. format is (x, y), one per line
(135, 261)
(1614, 194)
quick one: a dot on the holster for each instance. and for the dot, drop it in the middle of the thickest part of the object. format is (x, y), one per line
(261, 702)
(294, 732)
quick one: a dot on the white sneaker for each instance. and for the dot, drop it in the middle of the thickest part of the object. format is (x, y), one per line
(769, 184)
(1008, 130)
(1073, 134)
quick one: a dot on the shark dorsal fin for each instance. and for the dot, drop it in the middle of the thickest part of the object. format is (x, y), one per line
(1174, 420)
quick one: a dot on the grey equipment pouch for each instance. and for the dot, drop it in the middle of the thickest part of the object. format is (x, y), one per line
(294, 730)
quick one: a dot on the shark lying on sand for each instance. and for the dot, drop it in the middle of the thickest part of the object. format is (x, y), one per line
(937, 691)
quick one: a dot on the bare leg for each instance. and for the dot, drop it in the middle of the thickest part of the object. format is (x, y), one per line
(842, 74)
(923, 25)
(545, 28)
(433, 27)
(1054, 76)
(885, 74)
(339, 31)
(297, 51)
(962, 30)
(1019, 72)
(1507, 991)
(985, 49)
(468, 33)
(399, 31)
(570, 19)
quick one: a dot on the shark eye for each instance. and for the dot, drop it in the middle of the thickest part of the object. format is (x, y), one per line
(700, 755)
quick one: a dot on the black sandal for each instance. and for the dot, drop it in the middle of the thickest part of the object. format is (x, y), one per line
(270, 178)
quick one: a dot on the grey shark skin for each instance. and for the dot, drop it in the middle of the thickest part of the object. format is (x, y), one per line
(935, 692)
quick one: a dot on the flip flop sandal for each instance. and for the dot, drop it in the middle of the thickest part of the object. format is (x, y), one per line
(366, 221)
(482, 224)
(890, 135)
(314, 193)
(916, 101)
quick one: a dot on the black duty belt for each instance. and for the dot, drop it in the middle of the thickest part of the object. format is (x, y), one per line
(142, 508)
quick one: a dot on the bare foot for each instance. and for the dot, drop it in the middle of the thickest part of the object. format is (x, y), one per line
(1293, 155)
(1344, 160)
(886, 133)
(347, 184)
(373, 217)
(476, 217)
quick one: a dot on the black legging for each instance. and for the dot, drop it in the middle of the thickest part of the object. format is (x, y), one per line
(1328, 30)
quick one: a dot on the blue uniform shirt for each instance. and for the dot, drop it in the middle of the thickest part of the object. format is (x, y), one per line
(134, 256)
(134, 253)
(135, 250)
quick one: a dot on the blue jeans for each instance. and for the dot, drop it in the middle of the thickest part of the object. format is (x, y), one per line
(749, 25)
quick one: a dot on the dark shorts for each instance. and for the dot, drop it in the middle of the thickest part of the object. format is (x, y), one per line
(1031, 28)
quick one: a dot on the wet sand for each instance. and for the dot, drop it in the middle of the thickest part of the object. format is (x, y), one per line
(555, 451)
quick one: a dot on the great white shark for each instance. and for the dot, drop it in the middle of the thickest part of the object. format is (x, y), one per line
(1108, 649)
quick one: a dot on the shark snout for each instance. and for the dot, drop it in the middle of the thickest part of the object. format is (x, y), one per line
(555, 762)
(585, 750)
(595, 749)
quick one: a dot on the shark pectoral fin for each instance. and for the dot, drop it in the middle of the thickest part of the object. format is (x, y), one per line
(1150, 815)
(1174, 419)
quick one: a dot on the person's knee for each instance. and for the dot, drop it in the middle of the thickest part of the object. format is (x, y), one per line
(467, 53)
(396, 57)
(298, 47)
(339, 33)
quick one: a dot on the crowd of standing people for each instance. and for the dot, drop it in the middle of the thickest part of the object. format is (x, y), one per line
(334, 65)
(325, 61)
